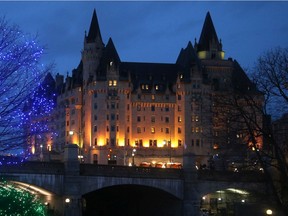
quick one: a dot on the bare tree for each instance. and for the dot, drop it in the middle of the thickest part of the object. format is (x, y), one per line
(250, 108)
(20, 74)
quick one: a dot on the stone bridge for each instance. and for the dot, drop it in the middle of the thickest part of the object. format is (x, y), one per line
(71, 180)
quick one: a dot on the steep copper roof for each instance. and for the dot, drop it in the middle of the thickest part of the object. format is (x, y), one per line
(208, 36)
(152, 74)
(109, 55)
(94, 31)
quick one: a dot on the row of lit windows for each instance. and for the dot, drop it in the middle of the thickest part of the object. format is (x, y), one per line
(148, 87)
(138, 143)
(152, 143)
(167, 119)
(194, 118)
(112, 83)
(167, 130)
(139, 108)
(113, 128)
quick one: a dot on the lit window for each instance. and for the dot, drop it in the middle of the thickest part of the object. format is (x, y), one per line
(179, 119)
(111, 63)
(114, 82)
(153, 97)
(110, 83)
(152, 130)
(157, 87)
(147, 87)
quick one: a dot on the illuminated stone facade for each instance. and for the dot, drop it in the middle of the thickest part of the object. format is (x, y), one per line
(160, 110)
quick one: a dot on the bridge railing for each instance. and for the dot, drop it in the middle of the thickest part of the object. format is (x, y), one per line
(34, 167)
(126, 171)
(230, 176)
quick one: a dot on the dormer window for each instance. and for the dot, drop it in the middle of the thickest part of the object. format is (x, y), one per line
(111, 63)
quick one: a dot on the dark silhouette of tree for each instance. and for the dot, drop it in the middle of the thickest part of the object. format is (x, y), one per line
(20, 74)
(248, 116)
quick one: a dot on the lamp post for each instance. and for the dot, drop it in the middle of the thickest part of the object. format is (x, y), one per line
(41, 152)
(133, 157)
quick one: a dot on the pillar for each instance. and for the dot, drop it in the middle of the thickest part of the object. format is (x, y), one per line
(71, 161)
(72, 200)
(191, 195)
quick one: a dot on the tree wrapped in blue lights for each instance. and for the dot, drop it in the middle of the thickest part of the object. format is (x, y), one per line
(20, 74)
(38, 117)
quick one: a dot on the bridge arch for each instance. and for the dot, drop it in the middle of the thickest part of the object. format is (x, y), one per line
(171, 186)
(130, 200)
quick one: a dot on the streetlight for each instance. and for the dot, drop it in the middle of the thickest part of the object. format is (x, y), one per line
(41, 152)
(133, 157)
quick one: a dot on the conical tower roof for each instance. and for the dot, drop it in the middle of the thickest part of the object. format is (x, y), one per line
(94, 30)
(208, 36)
(111, 52)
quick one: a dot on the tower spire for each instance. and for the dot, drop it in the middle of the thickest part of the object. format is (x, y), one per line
(94, 33)
(209, 45)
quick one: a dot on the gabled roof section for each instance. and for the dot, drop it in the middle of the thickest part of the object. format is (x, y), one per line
(208, 35)
(94, 30)
(241, 82)
(188, 56)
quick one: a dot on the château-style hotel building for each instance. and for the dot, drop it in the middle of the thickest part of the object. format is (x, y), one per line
(135, 112)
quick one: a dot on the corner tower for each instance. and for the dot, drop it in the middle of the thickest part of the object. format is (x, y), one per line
(209, 47)
(93, 49)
